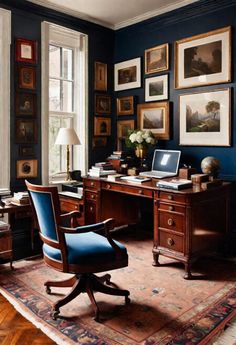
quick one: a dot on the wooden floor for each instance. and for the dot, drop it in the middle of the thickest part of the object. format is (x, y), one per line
(16, 330)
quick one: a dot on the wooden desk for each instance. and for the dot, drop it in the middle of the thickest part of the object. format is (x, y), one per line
(187, 224)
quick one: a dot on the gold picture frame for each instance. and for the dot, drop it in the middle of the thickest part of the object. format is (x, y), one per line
(102, 104)
(123, 127)
(100, 81)
(155, 117)
(102, 126)
(26, 168)
(125, 105)
(157, 59)
(203, 59)
(99, 141)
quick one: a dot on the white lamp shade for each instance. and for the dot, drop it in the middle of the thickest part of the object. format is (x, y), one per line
(67, 136)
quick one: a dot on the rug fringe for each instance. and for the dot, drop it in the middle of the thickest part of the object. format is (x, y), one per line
(228, 337)
(45, 329)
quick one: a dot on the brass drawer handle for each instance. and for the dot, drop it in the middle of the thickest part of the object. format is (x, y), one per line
(92, 196)
(108, 186)
(91, 208)
(140, 191)
(170, 221)
(170, 241)
(170, 197)
(92, 184)
(76, 207)
(171, 208)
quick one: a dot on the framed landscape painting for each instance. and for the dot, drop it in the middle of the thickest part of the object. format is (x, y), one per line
(128, 74)
(203, 59)
(157, 59)
(156, 88)
(205, 118)
(155, 117)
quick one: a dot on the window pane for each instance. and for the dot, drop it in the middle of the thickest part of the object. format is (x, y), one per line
(57, 153)
(67, 96)
(54, 95)
(67, 63)
(54, 62)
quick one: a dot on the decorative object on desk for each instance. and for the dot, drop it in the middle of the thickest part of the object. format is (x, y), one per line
(140, 140)
(199, 178)
(125, 105)
(211, 184)
(20, 198)
(211, 166)
(26, 50)
(102, 126)
(127, 74)
(102, 104)
(156, 88)
(203, 59)
(67, 136)
(25, 104)
(26, 168)
(157, 59)
(175, 184)
(205, 118)
(186, 171)
(100, 76)
(155, 117)
(27, 77)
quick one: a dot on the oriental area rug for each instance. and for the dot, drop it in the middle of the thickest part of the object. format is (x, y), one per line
(165, 308)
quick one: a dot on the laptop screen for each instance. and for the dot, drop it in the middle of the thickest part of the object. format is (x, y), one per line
(166, 161)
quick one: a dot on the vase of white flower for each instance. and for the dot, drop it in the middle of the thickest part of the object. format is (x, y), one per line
(140, 140)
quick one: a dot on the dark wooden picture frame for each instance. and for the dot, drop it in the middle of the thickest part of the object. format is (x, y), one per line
(25, 131)
(26, 50)
(100, 80)
(26, 168)
(27, 77)
(99, 141)
(102, 104)
(26, 151)
(125, 105)
(102, 126)
(25, 104)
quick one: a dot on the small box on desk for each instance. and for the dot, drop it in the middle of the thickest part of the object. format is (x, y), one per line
(199, 178)
(185, 173)
(72, 187)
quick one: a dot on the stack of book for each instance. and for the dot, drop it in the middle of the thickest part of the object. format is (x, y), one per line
(5, 193)
(101, 169)
(4, 226)
(20, 198)
(135, 179)
(116, 158)
(174, 184)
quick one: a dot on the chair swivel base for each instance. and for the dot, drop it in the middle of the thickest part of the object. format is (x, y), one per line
(88, 283)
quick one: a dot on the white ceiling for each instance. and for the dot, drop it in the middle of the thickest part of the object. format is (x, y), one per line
(114, 14)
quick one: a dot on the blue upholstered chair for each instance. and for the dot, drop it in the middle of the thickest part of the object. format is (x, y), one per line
(81, 250)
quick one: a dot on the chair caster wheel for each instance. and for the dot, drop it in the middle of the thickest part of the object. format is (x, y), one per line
(54, 314)
(48, 290)
(127, 300)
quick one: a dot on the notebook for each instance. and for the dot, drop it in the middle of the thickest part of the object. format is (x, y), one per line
(165, 163)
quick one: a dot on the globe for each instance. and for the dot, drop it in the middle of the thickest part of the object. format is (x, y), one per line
(210, 165)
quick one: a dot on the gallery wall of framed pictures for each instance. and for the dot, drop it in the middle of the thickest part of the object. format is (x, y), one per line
(25, 120)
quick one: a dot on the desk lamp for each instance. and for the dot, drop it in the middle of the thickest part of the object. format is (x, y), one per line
(67, 136)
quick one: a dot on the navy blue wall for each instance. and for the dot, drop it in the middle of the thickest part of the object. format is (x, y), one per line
(194, 19)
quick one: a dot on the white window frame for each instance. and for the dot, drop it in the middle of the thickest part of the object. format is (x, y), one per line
(5, 44)
(58, 35)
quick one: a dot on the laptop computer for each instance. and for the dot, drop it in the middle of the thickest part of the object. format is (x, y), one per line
(165, 163)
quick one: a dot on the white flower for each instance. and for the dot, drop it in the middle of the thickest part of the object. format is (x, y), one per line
(132, 137)
(139, 138)
(148, 140)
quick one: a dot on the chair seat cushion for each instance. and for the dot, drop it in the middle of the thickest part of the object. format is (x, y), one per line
(86, 248)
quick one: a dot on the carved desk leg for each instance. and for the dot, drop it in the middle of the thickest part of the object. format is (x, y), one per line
(156, 258)
(188, 274)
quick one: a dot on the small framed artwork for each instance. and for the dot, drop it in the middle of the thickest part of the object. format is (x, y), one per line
(156, 88)
(125, 105)
(27, 77)
(205, 118)
(102, 104)
(25, 131)
(122, 131)
(102, 126)
(155, 117)
(99, 141)
(157, 59)
(128, 74)
(26, 151)
(203, 59)
(26, 168)
(25, 104)
(26, 50)
(100, 83)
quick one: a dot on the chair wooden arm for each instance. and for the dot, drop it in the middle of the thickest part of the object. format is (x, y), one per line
(73, 215)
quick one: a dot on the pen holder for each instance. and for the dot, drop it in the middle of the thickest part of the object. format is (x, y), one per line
(186, 173)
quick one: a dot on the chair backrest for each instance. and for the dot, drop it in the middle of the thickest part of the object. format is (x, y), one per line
(46, 206)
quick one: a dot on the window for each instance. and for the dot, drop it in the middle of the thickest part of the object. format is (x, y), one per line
(64, 58)
(5, 42)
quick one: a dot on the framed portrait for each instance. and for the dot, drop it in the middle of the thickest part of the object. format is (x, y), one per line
(25, 104)
(156, 88)
(100, 80)
(26, 151)
(205, 118)
(122, 131)
(125, 105)
(157, 59)
(127, 74)
(25, 131)
(102, 126)
(26, 50)
(155, 117)
(203, 59)
(27, 77)
(26, 168)
(99, 141)
(102, 104)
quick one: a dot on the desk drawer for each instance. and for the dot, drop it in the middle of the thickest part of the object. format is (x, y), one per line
(171, 221)
(172, 208)
(172, 197)
(171, 241)
(68, 206)
(133, 190)
(91, 184)
(90, 195)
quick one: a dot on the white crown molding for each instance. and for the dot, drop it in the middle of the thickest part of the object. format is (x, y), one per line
(153, 13)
